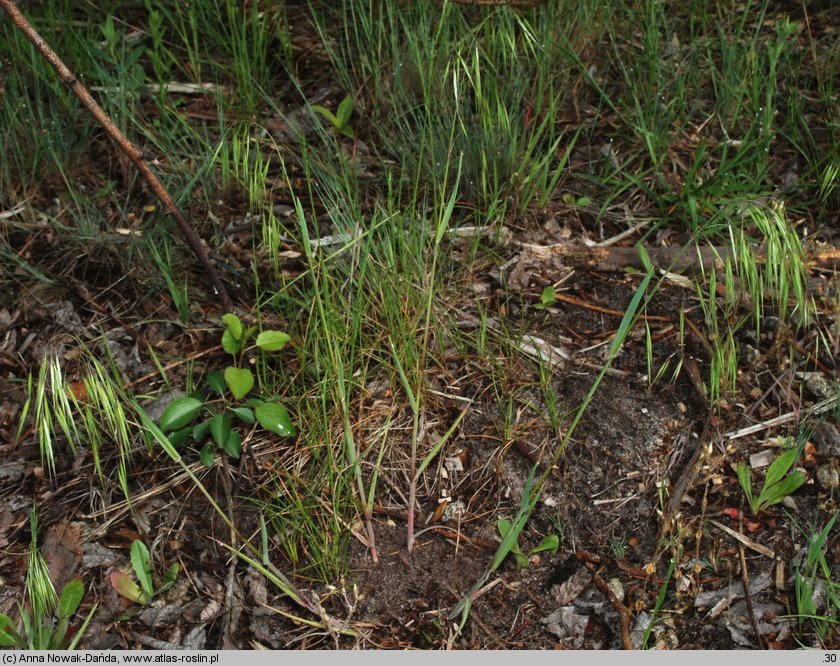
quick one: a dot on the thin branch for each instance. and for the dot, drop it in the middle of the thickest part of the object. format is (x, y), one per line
(130, 150)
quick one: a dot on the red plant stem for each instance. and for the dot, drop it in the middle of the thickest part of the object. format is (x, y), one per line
(130, 150)
(412, 495)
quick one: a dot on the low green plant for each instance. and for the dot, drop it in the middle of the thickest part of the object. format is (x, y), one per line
(46, 623)
(547, 298)
(178, 290)
(549, 544)
(660, 602)
(141, 563)
(571, 200)
(778, 484)
(618, 546)
(47, 632)
(89, 413)
(812, 576)
(340, 119)
(177, 420)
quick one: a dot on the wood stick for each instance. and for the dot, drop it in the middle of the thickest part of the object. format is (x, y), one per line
(131, 151)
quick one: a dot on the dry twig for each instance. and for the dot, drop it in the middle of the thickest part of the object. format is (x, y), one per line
(131, 151)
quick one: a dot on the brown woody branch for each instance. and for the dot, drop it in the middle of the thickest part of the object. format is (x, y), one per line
(131, 151)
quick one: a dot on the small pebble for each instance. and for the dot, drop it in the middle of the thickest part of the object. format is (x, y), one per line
(827, 476)
(820, 387)
(826, 439)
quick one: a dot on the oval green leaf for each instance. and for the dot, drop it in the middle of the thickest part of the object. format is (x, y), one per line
(71, 597)
(216, 381)
(245, 414)
(220, 429)
(179, 413)
(141, 562)
(233, 445)
(126, 587)
(199, 430)
(179, 436)
(229, 344)
(272, 340)
(275, 418)
(550, 544)
(239, 381)
(208, 454)
(234, 325)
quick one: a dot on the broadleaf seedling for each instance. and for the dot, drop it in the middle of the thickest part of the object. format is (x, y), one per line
(549, 544)
(233, 385)
(547, 298)
(340, 119)
(141, 564)
(778, 484)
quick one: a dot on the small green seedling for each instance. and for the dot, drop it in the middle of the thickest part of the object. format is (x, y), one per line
(547, 298)
(177, 420)
(339, 120)
(618, 545)
(572, 200)
(46, 620)
(48, 633)
(141, 563)
(549, 544)
(778, 484)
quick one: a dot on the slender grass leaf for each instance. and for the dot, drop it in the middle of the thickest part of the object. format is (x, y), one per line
(440, 444)
(8, 635)
(815, 549)
(78, 636)
(660, 601)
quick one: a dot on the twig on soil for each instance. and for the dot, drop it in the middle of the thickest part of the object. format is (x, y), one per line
(819, 408)
(690, 470)
(131, 151)
(609, 595)
(745, 580)
(745, 540)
